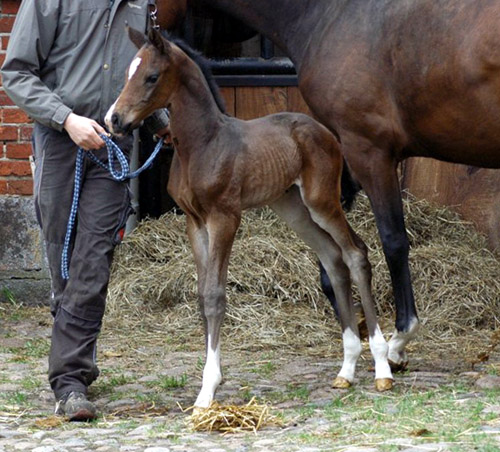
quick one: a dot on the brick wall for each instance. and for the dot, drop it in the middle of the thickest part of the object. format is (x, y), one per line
(23, 269)
(15, 126)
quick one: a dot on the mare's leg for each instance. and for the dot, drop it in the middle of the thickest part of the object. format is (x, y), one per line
(220, 232)
(292, 209)
(377, 174)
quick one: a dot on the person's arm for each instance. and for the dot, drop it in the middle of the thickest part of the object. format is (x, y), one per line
(30, 42)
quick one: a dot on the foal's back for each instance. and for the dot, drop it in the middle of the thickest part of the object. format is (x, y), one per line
(274, 151)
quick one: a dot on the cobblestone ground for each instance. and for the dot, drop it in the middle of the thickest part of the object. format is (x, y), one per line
(433, 407)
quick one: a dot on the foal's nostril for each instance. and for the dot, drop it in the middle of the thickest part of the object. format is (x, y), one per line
(115, 119)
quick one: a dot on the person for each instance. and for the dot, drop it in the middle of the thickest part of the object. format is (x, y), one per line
(65, 66)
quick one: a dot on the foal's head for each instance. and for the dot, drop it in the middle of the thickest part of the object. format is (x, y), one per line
(151, 79)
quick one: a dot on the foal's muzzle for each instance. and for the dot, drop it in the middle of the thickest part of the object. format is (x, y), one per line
(118, 126)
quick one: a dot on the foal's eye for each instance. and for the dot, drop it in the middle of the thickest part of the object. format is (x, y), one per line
(152, 79)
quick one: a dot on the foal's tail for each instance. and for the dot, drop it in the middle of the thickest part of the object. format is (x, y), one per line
(349, 188)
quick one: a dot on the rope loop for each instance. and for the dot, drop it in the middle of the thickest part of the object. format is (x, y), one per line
(116, 157)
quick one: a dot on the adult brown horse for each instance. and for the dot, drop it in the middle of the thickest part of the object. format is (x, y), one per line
(223, 165)
(394, 79)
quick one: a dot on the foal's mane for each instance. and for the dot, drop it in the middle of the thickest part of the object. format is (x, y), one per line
(204, 66)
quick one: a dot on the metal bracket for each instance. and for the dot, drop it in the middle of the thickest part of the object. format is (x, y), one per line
(153, 11)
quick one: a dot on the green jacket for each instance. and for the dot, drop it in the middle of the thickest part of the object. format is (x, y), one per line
(71, 56)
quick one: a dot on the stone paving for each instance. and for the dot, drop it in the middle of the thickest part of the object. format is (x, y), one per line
(140, 395)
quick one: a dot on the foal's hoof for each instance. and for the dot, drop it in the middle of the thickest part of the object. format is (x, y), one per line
(398, 367)
(198, 411)
(341, 383)
(383, 384)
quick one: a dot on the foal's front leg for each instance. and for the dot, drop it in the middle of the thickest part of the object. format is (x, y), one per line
(221, 230)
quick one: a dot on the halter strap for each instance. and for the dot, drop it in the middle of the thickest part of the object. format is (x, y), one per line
(153, 10)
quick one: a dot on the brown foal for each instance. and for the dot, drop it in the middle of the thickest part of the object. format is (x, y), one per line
(223, 165)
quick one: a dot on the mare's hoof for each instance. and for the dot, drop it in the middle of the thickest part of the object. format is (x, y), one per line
(398, 367)
(383, 384)
(341, 383)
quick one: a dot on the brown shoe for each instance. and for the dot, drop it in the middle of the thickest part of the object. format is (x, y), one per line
(75, 406)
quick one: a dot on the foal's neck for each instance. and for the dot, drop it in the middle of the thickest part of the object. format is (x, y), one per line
(195, 116)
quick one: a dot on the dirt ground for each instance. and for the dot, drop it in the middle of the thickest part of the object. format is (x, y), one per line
(147, 379)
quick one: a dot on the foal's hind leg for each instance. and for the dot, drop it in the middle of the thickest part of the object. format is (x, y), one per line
(291, 208)
(327, 213)
(212, 256)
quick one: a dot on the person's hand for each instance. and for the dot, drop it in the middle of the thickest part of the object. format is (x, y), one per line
(84, 132)
(165, 134)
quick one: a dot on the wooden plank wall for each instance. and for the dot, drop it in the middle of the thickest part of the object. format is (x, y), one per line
(473, 192)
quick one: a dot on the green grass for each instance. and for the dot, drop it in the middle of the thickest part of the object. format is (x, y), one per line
(120, 380)
(30, 383)
(412, 416)
(8, 295)
(109, 380)
(171, 382)
(15, 398)
(37, 348)
(265, 369)
(292, 392)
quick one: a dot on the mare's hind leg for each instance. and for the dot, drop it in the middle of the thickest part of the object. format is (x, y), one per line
(292, 209)
(318, 194)
(212, 253)
(382, 187)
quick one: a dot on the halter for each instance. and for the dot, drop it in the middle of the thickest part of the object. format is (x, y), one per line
(114, 153)
(153, 10)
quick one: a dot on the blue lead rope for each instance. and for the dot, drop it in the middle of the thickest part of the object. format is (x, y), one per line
(123, 173)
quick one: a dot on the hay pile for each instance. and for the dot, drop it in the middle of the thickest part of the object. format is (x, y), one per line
(233, 418)
(273, 289)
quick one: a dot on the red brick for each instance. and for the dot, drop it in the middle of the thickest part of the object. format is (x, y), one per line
(5, 42)
(26, 133)
(8, 133)
(16, 187)
(18, 150)
(4, 99)
(2, 58)
(14, 116)
(6, 24)
(14, 168)
(10, 6)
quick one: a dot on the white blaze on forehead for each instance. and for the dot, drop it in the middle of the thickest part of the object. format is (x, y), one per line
(133, 67)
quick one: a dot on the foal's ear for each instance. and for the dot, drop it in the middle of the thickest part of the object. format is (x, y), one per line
(138, 38)
(158, 41)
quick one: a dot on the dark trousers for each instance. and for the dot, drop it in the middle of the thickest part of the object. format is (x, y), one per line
(77, 304)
